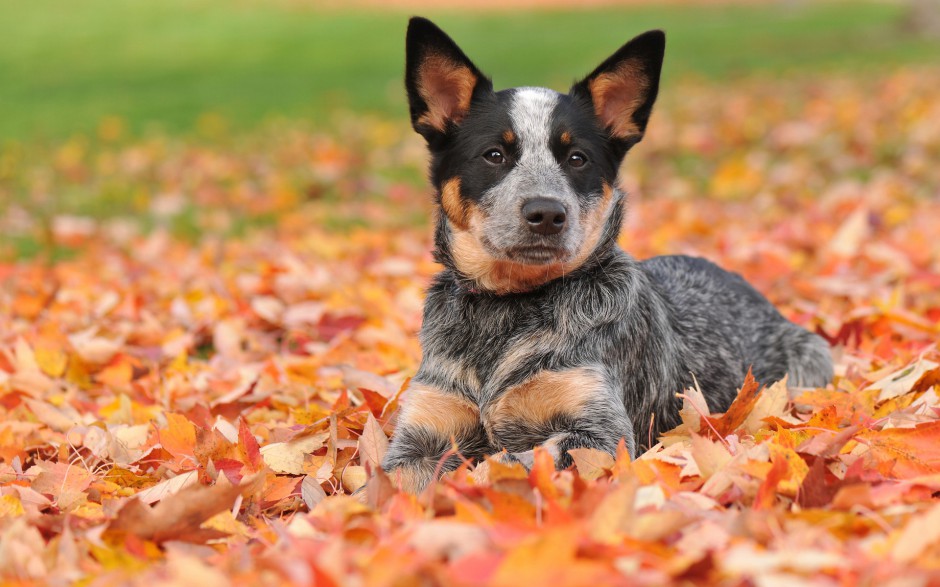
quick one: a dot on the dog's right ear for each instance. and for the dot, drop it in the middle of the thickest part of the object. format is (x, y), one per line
(440, 79)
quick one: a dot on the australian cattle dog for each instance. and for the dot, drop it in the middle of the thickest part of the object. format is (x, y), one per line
(540, 330)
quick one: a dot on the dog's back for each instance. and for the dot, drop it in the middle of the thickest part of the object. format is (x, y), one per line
(726, 327)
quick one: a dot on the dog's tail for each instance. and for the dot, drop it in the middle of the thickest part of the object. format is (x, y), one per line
(809, 359)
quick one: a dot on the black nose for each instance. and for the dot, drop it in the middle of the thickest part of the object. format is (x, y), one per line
(544, 216)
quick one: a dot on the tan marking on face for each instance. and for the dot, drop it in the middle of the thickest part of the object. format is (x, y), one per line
(500, 276)
(594, 220)
(497, 275)
(566, 138)
(617, 95)
(456, 209)
(545, 396)
(446, 87)
(445, 413)
(509, 137)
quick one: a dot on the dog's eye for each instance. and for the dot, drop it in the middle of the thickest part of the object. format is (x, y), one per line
(495, 156)
(577, 159)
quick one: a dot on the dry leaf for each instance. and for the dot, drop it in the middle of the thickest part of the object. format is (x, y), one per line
(288, 457)
(372, 444)
(179, 516)
(590, 462)
(167, 488)
(311, 492)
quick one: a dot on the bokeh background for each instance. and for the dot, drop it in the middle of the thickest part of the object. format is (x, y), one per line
(218, 116)
(214, 246)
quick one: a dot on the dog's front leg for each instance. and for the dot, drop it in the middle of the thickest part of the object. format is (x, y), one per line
(432, 422)
(561, 410)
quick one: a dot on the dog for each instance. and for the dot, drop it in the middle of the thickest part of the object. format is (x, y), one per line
(540, 330)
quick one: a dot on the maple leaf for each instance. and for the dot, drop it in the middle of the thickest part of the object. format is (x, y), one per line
(249, 446)
(740, 408)
(905, 452)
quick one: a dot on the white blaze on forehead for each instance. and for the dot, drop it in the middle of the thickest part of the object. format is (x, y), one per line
(537, 174)
(531, 115)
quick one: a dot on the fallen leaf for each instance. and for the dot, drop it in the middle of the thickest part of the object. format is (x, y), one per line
(288, 457)
(311, 492)
(372, 444)
(167, 488)
(590, 462)
(179, 516)
(740, 408)
(920, 533)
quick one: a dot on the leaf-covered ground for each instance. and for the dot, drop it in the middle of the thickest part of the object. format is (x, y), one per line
(202, 348)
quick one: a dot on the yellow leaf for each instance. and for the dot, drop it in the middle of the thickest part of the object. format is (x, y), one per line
(354, 477)
(772, 401)
(11, 506)
(921, 531)
(52, 362)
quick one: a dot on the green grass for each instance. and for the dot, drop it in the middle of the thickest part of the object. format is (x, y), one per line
(64, 65)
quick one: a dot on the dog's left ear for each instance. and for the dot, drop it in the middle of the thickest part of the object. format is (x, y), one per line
(440, 79)
(624, 87)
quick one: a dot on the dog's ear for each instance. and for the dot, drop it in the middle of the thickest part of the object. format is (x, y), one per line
(441, 81)
(623, 88)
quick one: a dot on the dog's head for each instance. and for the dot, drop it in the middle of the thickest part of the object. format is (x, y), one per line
(526, 177)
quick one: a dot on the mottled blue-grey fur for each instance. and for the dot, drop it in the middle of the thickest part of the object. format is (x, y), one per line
(593, 354)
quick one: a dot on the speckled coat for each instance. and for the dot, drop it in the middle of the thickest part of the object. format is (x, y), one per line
(541, 330)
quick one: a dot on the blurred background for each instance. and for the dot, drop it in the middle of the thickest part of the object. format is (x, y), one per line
(210, 115)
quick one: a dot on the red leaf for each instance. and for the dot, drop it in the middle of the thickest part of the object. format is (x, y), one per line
(248, 443)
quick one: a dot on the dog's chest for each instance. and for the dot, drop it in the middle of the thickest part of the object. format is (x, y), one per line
(476, 339)
(479, 346)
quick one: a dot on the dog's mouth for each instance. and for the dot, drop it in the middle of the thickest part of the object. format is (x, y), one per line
(536, 254)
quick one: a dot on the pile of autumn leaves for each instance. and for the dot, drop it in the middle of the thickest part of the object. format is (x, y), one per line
(179, 412)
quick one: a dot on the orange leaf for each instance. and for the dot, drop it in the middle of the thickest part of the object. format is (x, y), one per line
(119, 372)
(908, 452)
(549, 558)
(179, 439)
(543, 469)
(766, 493)
(740, 408)
(927, 380)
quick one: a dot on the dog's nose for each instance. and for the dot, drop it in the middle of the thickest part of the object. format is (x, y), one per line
(544, 216)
